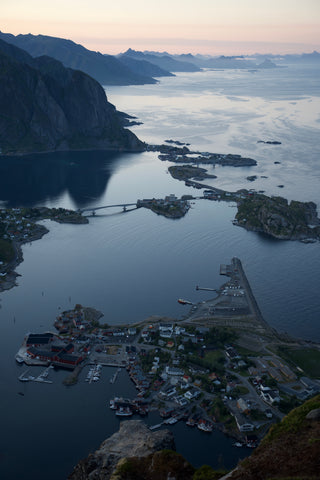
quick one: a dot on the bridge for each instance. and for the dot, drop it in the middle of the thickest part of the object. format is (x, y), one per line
(93, 209)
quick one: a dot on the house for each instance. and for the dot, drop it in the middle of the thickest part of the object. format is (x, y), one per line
(39, 339)
(179, 330)
(270, 396)
(192, 393)
(166, 326)
(243, 406)
(243, 424)
(174, 371)
(197, 383)
(310, 384)
(132, 331)
(166, 333)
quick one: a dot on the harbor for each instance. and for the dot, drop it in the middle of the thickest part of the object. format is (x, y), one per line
(207, 372)
(42, 378)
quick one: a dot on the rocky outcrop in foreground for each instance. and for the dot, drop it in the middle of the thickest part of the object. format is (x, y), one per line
(290, 451)
(133, 441)
(47, 107)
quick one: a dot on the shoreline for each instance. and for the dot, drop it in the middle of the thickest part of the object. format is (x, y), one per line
(63, 216)
(11, 276)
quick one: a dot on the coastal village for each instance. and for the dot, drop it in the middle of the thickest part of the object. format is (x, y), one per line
(220, 367)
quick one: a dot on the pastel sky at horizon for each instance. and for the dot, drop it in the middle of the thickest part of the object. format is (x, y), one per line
(179, 26)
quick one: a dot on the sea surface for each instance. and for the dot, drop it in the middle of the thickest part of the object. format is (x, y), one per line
(132, 265)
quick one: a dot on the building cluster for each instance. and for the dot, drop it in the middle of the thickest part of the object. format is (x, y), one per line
(170, 205)
(138, 377)
(72, 321)
(50, 349)
(14, 225)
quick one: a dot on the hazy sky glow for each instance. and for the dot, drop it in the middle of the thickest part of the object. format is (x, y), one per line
(196, 26)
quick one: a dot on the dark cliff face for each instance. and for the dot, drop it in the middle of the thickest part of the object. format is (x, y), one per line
(46, 107)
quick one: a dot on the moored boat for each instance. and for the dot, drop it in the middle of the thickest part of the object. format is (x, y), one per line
(205, 426)
(124, 412)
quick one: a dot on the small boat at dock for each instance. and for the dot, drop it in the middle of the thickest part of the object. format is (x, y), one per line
(124, 412)
(205, 426)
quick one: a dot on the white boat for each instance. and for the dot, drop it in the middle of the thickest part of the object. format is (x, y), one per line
(170, 421)
(124, 412)
(19, 358)
(205, 426)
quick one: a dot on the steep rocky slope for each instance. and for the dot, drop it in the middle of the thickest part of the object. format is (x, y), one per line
(46, 107)
(290, 451)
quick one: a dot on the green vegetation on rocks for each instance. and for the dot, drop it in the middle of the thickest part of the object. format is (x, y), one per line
(278, 218)
(289, 451)
(6, 251)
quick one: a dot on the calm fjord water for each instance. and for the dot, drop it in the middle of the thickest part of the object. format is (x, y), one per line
(135, 264)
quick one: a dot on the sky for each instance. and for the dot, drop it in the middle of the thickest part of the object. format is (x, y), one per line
(210, 27)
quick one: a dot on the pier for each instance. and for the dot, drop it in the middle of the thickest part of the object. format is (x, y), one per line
(235, 306)
(42, 378)
(115, 375)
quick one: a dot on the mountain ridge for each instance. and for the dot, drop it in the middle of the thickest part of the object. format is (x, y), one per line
(47, 107)
(106, 69)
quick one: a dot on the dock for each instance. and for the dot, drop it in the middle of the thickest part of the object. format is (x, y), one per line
(42, 378)
(115, 376)
(154, 427)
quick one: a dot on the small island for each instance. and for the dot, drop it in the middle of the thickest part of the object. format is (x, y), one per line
(278, 218)
(173, 153)
(269, 142)
(185, 172)
(169, 207)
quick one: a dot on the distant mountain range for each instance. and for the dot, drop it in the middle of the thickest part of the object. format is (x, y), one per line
(106, 69)
(164, 61)
(47, 107)
(139, 68)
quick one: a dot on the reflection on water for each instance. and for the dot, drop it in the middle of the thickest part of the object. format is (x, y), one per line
(36, 179)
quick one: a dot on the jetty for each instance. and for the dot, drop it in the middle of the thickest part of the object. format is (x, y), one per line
(42, 378)
(115, 375)
(234, 306)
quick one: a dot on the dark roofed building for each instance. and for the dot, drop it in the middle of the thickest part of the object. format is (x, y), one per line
(45, 355)
(68, 359)
(37, 339)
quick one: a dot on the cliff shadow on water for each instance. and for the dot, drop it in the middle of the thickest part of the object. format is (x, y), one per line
(35, 179)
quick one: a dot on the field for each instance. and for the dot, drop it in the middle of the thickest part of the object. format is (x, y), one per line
(308, 359)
